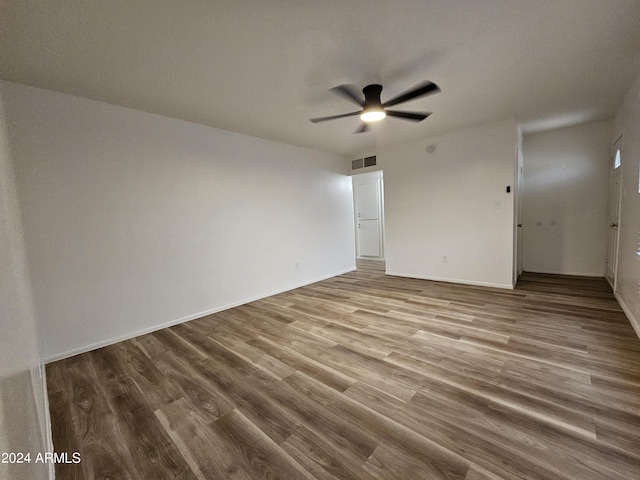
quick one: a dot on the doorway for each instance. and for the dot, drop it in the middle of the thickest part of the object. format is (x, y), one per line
(611, 266)
(368, 199)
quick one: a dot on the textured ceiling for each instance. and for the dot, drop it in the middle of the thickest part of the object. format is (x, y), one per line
(264, 67)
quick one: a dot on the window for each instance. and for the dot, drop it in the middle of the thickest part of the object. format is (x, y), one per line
(617, 160)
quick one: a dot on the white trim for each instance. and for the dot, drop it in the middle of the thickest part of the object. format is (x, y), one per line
(505, 286)
(47, 420)
(144, 331)
(613, 288)
(635, 323)
(39, 376)
(573, 274)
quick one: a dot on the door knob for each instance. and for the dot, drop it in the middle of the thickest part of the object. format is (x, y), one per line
(613, 225)
(519, 225)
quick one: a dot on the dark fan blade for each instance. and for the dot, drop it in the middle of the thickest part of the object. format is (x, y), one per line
(364, 127)
(413, 116)
(421, 90)
(348, 92)
(333, 117)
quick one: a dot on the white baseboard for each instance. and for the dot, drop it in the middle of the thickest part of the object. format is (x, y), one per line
(573, 274)
(144, 331)
(39, 378)
(630, 316)
(47, 420)
(506, 286)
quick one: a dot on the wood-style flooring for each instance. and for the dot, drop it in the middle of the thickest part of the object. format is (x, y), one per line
(365, 376)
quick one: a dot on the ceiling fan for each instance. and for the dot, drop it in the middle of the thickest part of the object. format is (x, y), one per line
(373, 110)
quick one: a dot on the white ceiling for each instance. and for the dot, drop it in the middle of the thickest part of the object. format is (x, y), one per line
(264, 67)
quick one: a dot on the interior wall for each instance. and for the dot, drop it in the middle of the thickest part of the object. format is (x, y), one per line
(627, 123)
(135, 221)
(22, 411)
(452, 203)
(566, 183)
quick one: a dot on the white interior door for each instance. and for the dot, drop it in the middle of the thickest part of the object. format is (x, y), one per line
(614, 214)
(368, 238)
(367, 196)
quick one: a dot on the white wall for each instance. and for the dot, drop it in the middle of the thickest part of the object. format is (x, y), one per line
(566, 183)
(22, 396)
(134, 221)
(443, 204)
(627, 123)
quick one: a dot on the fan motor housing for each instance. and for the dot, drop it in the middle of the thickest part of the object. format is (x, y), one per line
(372, 96)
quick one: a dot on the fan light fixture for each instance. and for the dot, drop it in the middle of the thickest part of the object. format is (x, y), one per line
(373, 110)
(373, 115)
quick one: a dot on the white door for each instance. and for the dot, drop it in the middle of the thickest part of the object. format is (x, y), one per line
(368, 238)
(368, 212)
(614, 214)
(367, 201)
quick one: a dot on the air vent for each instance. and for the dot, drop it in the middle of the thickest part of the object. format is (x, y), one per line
(370, 161)
(355, 164)
(363, 162)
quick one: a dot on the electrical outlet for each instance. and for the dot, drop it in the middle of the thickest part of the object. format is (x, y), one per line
(445, 259)
(497, 204)
(297, 266)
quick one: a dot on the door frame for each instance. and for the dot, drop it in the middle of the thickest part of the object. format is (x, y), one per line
(517, 213)
(615, 146)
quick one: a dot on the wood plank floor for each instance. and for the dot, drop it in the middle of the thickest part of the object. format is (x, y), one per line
(365, 376)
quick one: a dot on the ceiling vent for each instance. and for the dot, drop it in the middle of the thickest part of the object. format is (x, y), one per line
(363, 162)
